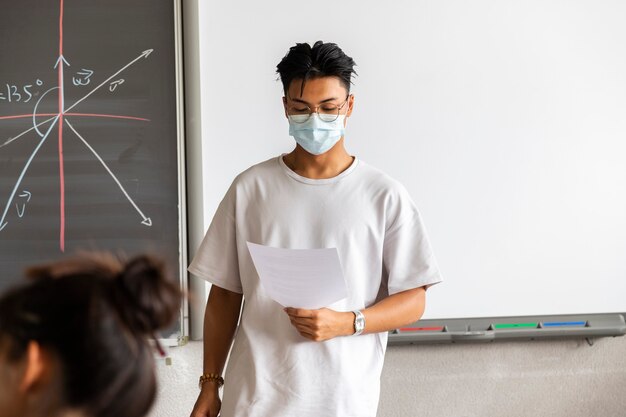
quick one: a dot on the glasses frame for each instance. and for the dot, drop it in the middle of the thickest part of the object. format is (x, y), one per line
(316, 110)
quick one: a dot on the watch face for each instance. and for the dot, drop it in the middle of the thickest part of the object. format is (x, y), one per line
(359, 322)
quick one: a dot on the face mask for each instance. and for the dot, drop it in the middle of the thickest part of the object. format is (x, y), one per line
(315, 135)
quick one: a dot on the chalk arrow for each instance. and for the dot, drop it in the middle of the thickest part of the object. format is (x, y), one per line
(145, 220)
(88, 73)
(3, 226)
(144, 54)
(25, 132)
(114, 84)
(26, 194)
(62, 60)
(19, 181)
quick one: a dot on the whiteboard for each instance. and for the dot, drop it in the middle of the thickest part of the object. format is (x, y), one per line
(505, 120)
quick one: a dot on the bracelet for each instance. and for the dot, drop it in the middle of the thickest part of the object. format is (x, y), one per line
(211, 377)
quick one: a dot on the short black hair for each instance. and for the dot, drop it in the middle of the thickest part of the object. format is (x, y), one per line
(304, 62)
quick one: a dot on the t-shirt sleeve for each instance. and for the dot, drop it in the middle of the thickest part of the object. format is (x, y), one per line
(408, 258)
(217, 260)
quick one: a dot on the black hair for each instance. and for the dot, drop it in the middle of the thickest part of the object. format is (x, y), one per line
(304, 62)
(94, 313)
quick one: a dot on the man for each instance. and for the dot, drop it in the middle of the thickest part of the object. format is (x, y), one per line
(291, 361)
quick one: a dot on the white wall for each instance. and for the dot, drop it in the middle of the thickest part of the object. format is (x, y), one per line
(512, 379)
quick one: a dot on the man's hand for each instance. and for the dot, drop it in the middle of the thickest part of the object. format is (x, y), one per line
(322, 324)
(208, 403)
(220, 322)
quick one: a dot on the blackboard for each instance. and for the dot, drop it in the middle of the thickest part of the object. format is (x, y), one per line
(89, 133)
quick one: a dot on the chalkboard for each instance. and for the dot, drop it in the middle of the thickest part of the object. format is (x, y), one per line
(89, 131)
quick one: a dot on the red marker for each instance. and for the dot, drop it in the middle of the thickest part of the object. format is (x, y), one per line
(421, 329)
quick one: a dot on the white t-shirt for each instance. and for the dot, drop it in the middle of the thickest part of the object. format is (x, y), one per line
(383, 248)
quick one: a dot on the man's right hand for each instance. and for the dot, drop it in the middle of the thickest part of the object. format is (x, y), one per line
(220, 322)
(208, 403)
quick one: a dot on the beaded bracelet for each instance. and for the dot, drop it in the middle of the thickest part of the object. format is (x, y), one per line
(211, 377)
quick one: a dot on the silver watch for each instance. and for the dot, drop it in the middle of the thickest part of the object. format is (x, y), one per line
(359, 322)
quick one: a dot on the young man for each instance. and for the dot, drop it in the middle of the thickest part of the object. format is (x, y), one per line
(294, 362)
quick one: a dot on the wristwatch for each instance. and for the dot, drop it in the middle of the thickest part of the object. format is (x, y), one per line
(359, 322)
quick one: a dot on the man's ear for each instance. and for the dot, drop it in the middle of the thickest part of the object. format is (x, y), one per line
(36, 364)
(285, 106)
(350, 105)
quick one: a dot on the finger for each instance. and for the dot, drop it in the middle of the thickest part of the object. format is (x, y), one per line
(306, 331)
(303, 320)
(306, 334)
(299, 312)
(312, 336)
(299, 324)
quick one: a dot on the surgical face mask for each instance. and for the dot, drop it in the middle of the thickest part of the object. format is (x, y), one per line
(315, 135)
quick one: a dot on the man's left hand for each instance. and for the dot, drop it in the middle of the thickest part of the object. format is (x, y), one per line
(322, 324)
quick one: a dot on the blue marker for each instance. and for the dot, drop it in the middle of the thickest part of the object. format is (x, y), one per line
(564, 323)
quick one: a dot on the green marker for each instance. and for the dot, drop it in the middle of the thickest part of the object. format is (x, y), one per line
(514, 325)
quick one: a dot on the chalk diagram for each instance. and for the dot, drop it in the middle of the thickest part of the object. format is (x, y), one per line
(14, 206)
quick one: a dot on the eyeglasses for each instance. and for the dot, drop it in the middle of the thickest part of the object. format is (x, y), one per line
(327, 112)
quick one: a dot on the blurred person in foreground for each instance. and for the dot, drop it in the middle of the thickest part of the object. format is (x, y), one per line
(74, 340)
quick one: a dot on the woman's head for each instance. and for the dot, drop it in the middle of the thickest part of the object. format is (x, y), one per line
(75, 337)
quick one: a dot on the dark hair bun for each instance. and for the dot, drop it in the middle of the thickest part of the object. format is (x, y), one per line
(145, 298)
(138, 290)
(94, 313)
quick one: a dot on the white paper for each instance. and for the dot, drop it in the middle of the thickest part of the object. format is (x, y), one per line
(301, 278)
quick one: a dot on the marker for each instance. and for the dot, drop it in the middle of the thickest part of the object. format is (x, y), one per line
(514, 325)
(421, 329)
(564, 323)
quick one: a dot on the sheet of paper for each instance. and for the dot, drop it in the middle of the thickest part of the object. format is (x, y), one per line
(301, 278)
